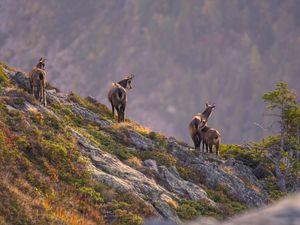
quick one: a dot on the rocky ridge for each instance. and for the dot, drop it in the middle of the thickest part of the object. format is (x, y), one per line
(165, 184)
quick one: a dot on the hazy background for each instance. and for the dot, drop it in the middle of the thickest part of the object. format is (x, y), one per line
(183, 52)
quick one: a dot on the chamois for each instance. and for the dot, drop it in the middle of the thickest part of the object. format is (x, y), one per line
(117, 96)
(37, 77)
(195, 126)
(198, 122)
(211, 137)
(208, 111)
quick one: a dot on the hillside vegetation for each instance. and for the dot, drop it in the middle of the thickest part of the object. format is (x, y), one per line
(183, 53)
(70, 163)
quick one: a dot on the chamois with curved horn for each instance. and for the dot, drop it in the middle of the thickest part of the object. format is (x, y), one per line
(37, 77)
(209, 110)
(117, 96)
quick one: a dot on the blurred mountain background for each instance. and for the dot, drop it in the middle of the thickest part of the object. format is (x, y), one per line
(183, 53)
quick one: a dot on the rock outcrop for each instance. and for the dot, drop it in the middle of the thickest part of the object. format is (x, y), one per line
(238, 178)
(111, 171)
(172, 180)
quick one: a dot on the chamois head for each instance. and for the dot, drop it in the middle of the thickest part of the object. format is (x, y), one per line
(126, 82)
(209, 109)
(41, 64)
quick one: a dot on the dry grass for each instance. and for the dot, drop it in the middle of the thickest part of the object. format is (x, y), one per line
(134, 162)
(173, 203)
(134, 126)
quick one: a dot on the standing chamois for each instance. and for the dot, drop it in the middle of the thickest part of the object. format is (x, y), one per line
(195, 126)
(208, 111)
(211, 137)
(117, 96)
(198, 122)
(37, 77)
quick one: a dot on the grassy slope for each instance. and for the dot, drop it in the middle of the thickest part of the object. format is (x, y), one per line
(45, 180)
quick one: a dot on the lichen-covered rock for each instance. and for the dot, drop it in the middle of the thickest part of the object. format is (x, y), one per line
(22, 80)
(140, 142)
(151, 164)
(186, 189)
(89, 115)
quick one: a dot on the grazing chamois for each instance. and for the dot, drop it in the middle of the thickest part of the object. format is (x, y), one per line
(37, 77)
(198, 122)
(117, 96)
(211, 137)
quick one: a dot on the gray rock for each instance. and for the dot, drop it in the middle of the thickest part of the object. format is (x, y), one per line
(140, 142)
(236, 177)
(92, 99)
(89, 115)
(111, 171)
(164, 209)
(22, 80)
(150, 163)
(184, 188)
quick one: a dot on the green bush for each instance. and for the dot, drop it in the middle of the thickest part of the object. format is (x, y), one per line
(190, 174)
(4, 80)
(107, 143)
(188, 210)
(123, 217)
(92, 193)
(228, 204)
(276, 194)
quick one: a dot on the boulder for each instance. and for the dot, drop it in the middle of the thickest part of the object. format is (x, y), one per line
(22, 80)
(151, 164)
(174, 183)
(140, 142)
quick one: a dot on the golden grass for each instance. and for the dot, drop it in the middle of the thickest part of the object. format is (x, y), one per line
(170, 201)
(133, 126)
(67, 216)
(70, 217)
(134, 161)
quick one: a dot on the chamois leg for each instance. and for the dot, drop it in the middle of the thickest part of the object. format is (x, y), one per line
(206, 147)
(122, 109)
(195, 140)
(119, 114)
(44, 96)
(217, 148)
(210, 148)
(36, 92)
(203, 146)
(113, 110)
(31, 87)
(40, 93)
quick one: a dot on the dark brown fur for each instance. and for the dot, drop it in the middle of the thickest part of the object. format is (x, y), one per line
(197, 123)
(37, 77)
(195, 127)
(211, 137)
(117, 96)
